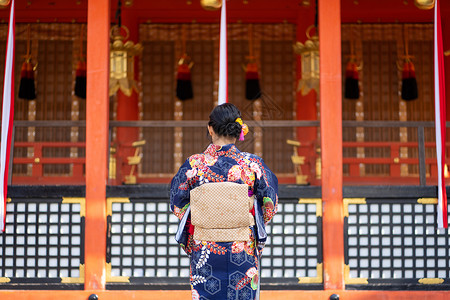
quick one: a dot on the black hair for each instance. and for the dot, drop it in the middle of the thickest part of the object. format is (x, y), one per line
(223, 120)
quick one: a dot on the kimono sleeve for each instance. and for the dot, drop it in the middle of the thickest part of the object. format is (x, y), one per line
(179, 191)
(265, 189)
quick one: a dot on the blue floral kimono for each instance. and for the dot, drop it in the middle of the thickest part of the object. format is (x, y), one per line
(224, 270)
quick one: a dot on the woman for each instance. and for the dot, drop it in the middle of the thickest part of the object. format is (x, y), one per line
(222, 267)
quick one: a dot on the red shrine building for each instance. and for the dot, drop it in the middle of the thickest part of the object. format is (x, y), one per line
(112, 96)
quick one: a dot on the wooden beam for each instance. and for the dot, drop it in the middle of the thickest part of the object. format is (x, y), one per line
(177, 295)
(96, 142)
(331, 142)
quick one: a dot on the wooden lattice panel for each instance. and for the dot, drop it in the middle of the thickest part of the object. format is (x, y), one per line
(199, 108)
(277, 102)
(158, 84)
(381, 99)
(237, 52)
(54, 89)
(348, 110)
(422, 109)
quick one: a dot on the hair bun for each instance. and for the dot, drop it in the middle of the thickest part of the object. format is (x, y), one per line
(223, 120)
(233, 129)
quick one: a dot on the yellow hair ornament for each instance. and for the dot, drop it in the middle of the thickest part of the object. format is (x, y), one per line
(244, 129)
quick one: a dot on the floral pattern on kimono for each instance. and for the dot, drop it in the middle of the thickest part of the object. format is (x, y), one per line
(224, 270)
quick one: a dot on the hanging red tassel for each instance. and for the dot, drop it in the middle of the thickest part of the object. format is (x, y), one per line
(80, 80)
(409, 82)
(27, 89)
(80, 73)
(351, 81)
(184, 83)
(252, 87)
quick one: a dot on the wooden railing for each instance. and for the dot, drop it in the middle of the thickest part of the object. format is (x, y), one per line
(37, 161)
(394, 160)
(75, 176)
(427, 166)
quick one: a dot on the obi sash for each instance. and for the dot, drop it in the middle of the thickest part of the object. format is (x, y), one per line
(220, 212)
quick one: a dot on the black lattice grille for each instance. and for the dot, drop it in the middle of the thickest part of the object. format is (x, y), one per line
(142, 241)
(294, 243)
(43, 241)
(396, 242)
(143, 248)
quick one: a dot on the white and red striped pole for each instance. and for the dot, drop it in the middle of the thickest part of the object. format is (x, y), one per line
(440, 116)
(7, 116)
(223, 57)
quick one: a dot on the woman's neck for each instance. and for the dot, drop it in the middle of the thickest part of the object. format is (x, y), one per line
(222, 141)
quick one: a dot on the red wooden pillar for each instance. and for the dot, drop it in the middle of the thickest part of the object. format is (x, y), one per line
(97, 102)
(306, 105)
(331, 142)
(127, 107)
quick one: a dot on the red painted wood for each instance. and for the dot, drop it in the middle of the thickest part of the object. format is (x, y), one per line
(445, 23)
(306, 105)
(37, 166)
(127, 110)
(267, 11)
(266, 295)
(97, 109)
(179, 11)
(331, 143)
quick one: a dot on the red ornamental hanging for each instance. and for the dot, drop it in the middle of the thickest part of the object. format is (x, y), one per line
(80, 73)
(351, 81)
(27, 89)
(80, 80)
(184, 83)
(409, 82)
(252, 87)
